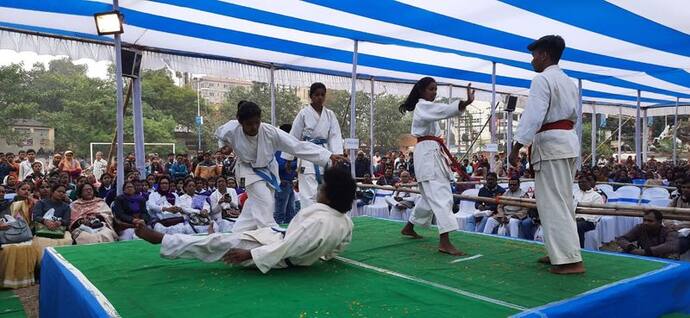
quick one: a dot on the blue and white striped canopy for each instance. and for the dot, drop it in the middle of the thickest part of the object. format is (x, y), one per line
(615, 47)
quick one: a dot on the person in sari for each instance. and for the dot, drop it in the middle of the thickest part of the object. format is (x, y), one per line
(91, 220)
(129, 207)
(59, 220)
(18, 261)
(70, 165)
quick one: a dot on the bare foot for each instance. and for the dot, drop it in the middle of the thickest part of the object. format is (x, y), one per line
(408, 230)
(446, 247)
(148, 234)
(568, 269)
(544, 260)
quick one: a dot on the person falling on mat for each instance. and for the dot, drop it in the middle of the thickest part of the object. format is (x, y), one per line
(433, 162)
(547, 124)
(320, 231)
(255, 144)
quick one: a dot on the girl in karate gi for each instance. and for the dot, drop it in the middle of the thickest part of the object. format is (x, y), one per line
(433, 161)
(319, 125)
(255, 144)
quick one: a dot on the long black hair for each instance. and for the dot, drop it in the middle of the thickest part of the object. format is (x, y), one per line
(415, 94)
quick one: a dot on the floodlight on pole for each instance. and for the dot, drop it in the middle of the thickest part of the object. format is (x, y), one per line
(108, 23)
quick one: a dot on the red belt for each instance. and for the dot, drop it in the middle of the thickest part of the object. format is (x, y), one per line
(449, 158)
(563, 124)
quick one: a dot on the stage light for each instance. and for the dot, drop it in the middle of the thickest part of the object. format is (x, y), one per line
(108, 23)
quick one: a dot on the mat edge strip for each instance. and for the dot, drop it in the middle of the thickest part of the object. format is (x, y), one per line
(93, 290)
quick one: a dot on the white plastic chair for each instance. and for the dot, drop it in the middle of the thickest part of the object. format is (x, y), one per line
(525, 186)
(466, 212)
(611, 196)
(654, 194)
(378, 208)
(627, 195)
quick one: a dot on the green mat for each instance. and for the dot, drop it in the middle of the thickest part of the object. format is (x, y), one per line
(10, 306)
(140, 284)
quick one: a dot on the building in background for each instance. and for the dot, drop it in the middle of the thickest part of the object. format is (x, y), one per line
(31, 134)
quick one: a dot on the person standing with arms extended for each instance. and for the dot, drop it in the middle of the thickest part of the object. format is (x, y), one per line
(547, 125)
(434, 164)
(318, 125)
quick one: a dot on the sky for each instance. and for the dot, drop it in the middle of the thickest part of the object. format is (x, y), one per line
(95, 69)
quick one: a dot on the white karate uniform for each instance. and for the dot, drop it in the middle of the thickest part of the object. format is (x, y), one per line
(553, 97)
(310, 125)
(217, 211)
(399, 213)
(155, 205)
(317, 232)
(431, 170)
(258, 152)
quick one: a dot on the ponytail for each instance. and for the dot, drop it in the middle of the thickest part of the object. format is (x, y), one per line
(415, 95)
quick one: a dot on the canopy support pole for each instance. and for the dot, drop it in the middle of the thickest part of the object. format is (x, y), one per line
(620, 128)
(371, 128)
(594, 136)
(675, 129)
(638, 140)
(138, 117)
(120, 116)
(448, 121)
(579, 121)
(509, 136)
(492, 122)
(353, 105)
(273, 95)
(645, 135)
(198, 114)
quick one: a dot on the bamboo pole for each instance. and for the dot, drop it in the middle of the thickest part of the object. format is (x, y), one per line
(585, 208)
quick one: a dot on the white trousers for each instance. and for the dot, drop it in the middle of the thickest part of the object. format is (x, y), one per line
(257, 211)
(128, 235)
(208, 248)
(436, 200)
(308, 188)
(513, 226)
(554, 195)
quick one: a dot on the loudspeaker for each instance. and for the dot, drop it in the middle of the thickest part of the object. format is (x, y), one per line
(512, 102)
(131, 63)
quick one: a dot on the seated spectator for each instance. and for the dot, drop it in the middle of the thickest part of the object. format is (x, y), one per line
(4, 204)
(51, 218)
(10, 184)
(91, 220)
(366, 179)
(207, 168)
(362, 165)
(72, 192)
(586, 194)
(651, 238)
(621, 177)
(166, 216)
(507, 215)
(13, 162)
(401, 202)
(42, 191)
(107, 191)
(70, 165)
(4, 167)
(156, 168)
(18, 261)
(179, 169)
(381, 169)
(23, 203)
(26, 167)
(129, 207)
(232, 184)
(388, 179)
(225, 205)
(195, 207)
(490, 190)
(54, 164)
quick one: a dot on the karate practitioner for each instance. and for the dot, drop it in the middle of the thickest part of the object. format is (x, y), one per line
(317, 124)
(320, 231)
(547, 124)
(255, 144)
(433, 161)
